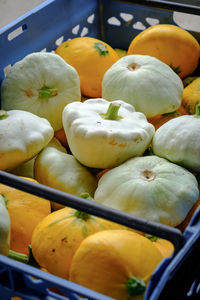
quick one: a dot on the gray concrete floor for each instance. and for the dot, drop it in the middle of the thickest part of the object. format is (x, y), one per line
(12, 9)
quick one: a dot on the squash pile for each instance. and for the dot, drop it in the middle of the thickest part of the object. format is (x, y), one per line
(118, 127)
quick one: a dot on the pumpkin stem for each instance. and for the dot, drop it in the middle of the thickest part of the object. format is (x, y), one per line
(112, 112)
(81, 214)
(152, 238)
(18, 256)
(46, 92)
(197, 110)
(3, 114)
(135, 286)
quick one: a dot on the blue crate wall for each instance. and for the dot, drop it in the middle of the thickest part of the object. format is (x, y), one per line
(122, 21)
(44, 27)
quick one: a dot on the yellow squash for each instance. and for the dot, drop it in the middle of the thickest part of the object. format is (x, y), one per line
(58, 236)
(191, 96)
(91, 58)
(117, 263)
(26, 211)
(171, 44)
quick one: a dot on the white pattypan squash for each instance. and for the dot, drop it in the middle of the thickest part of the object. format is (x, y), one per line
(101, 134)
(178, 140)
(41, 83)
(149, 187)
(22, 136)
(150, 85)
(56, 168)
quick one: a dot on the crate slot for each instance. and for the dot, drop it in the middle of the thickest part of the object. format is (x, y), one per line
(75, 30)
(187, 21)
(91, 18)
(84, 31)
(152, 21)
(60, 40)
(139, 25)
(114, 21)
(13, 34)
(126, 17)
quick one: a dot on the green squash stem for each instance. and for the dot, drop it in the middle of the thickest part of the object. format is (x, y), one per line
(112, 112)
(197, 110)
(135, 286)
(18, 256)
(152, 238)
(81, 214)
(3, 114)
(46, 92)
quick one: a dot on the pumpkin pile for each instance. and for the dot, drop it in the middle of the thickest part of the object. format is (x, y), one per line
(118, 127)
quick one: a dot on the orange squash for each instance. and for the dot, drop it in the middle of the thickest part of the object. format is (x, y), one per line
(171, 44)
(58, 236)
(117, 263)
(26, 211)
(91, 58)
(159, 120)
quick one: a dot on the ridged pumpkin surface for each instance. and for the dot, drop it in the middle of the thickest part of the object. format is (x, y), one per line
(171, 44)
(58, 236)
(91, 58)
(26, 211)
(106, 260)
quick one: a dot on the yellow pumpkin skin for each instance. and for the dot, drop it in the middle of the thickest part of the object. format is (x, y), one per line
(191, 96)
(165, 247)
(106, 260)
(26, 211)
(171, 44)
(91, 58)
(57, 237)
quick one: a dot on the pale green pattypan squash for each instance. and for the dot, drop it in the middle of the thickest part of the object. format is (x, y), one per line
(178, 140)
(149, 187)
(150, 85)
(26, 169)
(22, 136)
(4, 228)
(56, 168)
(41, 83)
(103, 134)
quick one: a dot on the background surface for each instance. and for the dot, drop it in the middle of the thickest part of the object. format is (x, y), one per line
(12, 9)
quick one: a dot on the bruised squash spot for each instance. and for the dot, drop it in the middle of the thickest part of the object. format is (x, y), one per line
(112, 142)
(122, 145)
(29, 93)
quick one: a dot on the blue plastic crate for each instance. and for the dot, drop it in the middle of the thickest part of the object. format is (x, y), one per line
(115, 22)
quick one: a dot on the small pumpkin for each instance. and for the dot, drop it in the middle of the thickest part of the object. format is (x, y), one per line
(145, 82)
(91, 58)
(117, 263)
(171, 44)
(58, 236)
(26, 211)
